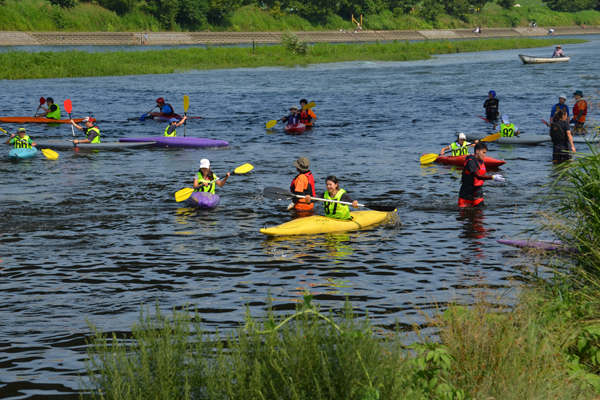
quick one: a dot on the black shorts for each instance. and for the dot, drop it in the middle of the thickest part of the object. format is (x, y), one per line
(561, 151)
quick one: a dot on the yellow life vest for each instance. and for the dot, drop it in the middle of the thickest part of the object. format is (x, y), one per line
(54, 114)
(95, 129)
(173, 134)
(507, 130)
(336, 210)
(458, 150)
(208, 188)
(22, 143)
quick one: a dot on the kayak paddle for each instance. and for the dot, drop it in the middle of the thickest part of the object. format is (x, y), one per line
(273, 122)
(309, 106)
(50, 154)
(69, 108)
(186, 105)
(491, 138)
(547, 124)
(275, 193)
(428, 158)
(42, 102)
(184, 194)
(486, 120)
(145, 115)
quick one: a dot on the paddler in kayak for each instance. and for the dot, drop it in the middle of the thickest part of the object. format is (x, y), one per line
(491, 106)
(23, 141)
(333, 192)
(166, 110)
(560, 106)
(92, 133)
(579, 110)
(204, 177)
(293, 118)
(507, 129)
(473, 175)
(303, 184)
(460, 147)
(53, 110)
(173, 124)
(307, 117)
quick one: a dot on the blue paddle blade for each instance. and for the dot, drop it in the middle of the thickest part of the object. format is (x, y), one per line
(143, 117)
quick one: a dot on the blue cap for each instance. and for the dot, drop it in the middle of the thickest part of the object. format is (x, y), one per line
(492, 93)
(173, 120)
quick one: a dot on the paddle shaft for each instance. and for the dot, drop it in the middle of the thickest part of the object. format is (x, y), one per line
(42, 101)
(327, 200)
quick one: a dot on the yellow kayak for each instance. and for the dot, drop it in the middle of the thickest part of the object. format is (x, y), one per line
(319, 224)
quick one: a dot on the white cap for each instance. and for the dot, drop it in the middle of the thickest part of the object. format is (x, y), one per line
(505, 119)
(204, 163)
(562, 96)
(462, 136)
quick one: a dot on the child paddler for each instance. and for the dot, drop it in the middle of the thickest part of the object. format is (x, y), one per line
(23, 141)
(507, 129)
(170, 130)
(333, 192)
(203, 181)
(460, 147)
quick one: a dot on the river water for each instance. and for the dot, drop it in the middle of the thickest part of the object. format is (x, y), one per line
(95, 234)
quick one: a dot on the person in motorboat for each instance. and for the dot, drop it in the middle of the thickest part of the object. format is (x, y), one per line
(307, 117)
(53, 110)
(560, 106)
(333, 192)
(579, 110)
(92, 133)
(303, 184)
(460, 147)
(205, 180)
(560, 132)
(170, 130)
(491, 106)
(558, 52)
(507, 129)
(293, 118)
(166, 109)
(473, 176)
(23, 141)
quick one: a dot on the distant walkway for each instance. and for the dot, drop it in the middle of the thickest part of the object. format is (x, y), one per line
(178, 38)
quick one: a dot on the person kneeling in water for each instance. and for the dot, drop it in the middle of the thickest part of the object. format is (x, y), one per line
(333, 192)
(473, 175)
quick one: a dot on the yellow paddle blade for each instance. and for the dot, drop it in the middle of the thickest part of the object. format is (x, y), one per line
(3, 130)
(242, 169)
(491, 138)
(309, 106)
(186, 103)
(51, 154)
(428, 158)
(183, 194)
(271, 124)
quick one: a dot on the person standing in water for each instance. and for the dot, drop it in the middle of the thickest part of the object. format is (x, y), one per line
(560, 106)
(579, 110)
(491, 106)
(473, 176)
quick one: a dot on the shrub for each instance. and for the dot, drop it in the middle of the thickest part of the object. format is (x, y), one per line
(294, 44)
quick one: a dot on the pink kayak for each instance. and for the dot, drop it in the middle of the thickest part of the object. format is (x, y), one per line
(295, 129)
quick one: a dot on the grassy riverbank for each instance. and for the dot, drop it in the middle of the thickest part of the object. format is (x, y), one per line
(41, 15)
(545, 347)
(25, 65)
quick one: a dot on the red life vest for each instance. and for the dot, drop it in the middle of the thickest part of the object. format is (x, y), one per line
(304, 117)
(310, 190)
(481, 169)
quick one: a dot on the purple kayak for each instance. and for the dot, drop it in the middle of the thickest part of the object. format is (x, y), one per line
(546, 245)
(203, 200)
(178, 142)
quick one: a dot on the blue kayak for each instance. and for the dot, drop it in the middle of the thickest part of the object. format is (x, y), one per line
(22, 154)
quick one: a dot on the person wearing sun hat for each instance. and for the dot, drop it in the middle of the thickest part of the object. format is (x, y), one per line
(92, 133)
(579, 110)
(170, 130)
(293, 118)
(560, 106)
(21, 142)
(460, 147)
(303, 184)
(558, 52)
(203, 181)
(507, 129)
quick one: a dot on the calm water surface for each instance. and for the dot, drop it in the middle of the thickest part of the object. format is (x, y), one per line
(95, 234)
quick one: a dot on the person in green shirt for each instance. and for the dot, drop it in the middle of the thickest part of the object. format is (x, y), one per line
(23, 141)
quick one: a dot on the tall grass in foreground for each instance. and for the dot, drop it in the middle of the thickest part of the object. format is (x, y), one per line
(25, 65)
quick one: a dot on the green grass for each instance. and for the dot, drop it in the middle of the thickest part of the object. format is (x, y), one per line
(25, 65)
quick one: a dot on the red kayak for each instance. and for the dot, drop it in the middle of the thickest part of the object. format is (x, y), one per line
(460, 161)
(295, 129)
(41, 120)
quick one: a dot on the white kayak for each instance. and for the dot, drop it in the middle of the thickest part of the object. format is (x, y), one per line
(542, 60)
(521, 139)
(589, 138)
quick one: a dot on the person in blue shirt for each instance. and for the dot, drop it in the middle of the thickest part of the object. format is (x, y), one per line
(559, 106)
(166, 110)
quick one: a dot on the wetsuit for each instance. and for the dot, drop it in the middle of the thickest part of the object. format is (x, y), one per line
(491, 108)
(473, 175)
(561, 146)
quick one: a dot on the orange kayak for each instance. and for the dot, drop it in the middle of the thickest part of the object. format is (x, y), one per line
(39, 120)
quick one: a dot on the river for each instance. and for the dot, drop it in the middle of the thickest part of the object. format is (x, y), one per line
(93, 235)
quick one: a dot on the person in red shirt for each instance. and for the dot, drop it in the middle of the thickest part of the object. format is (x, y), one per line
(473, 176)
(579, 110)
(303, 184)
